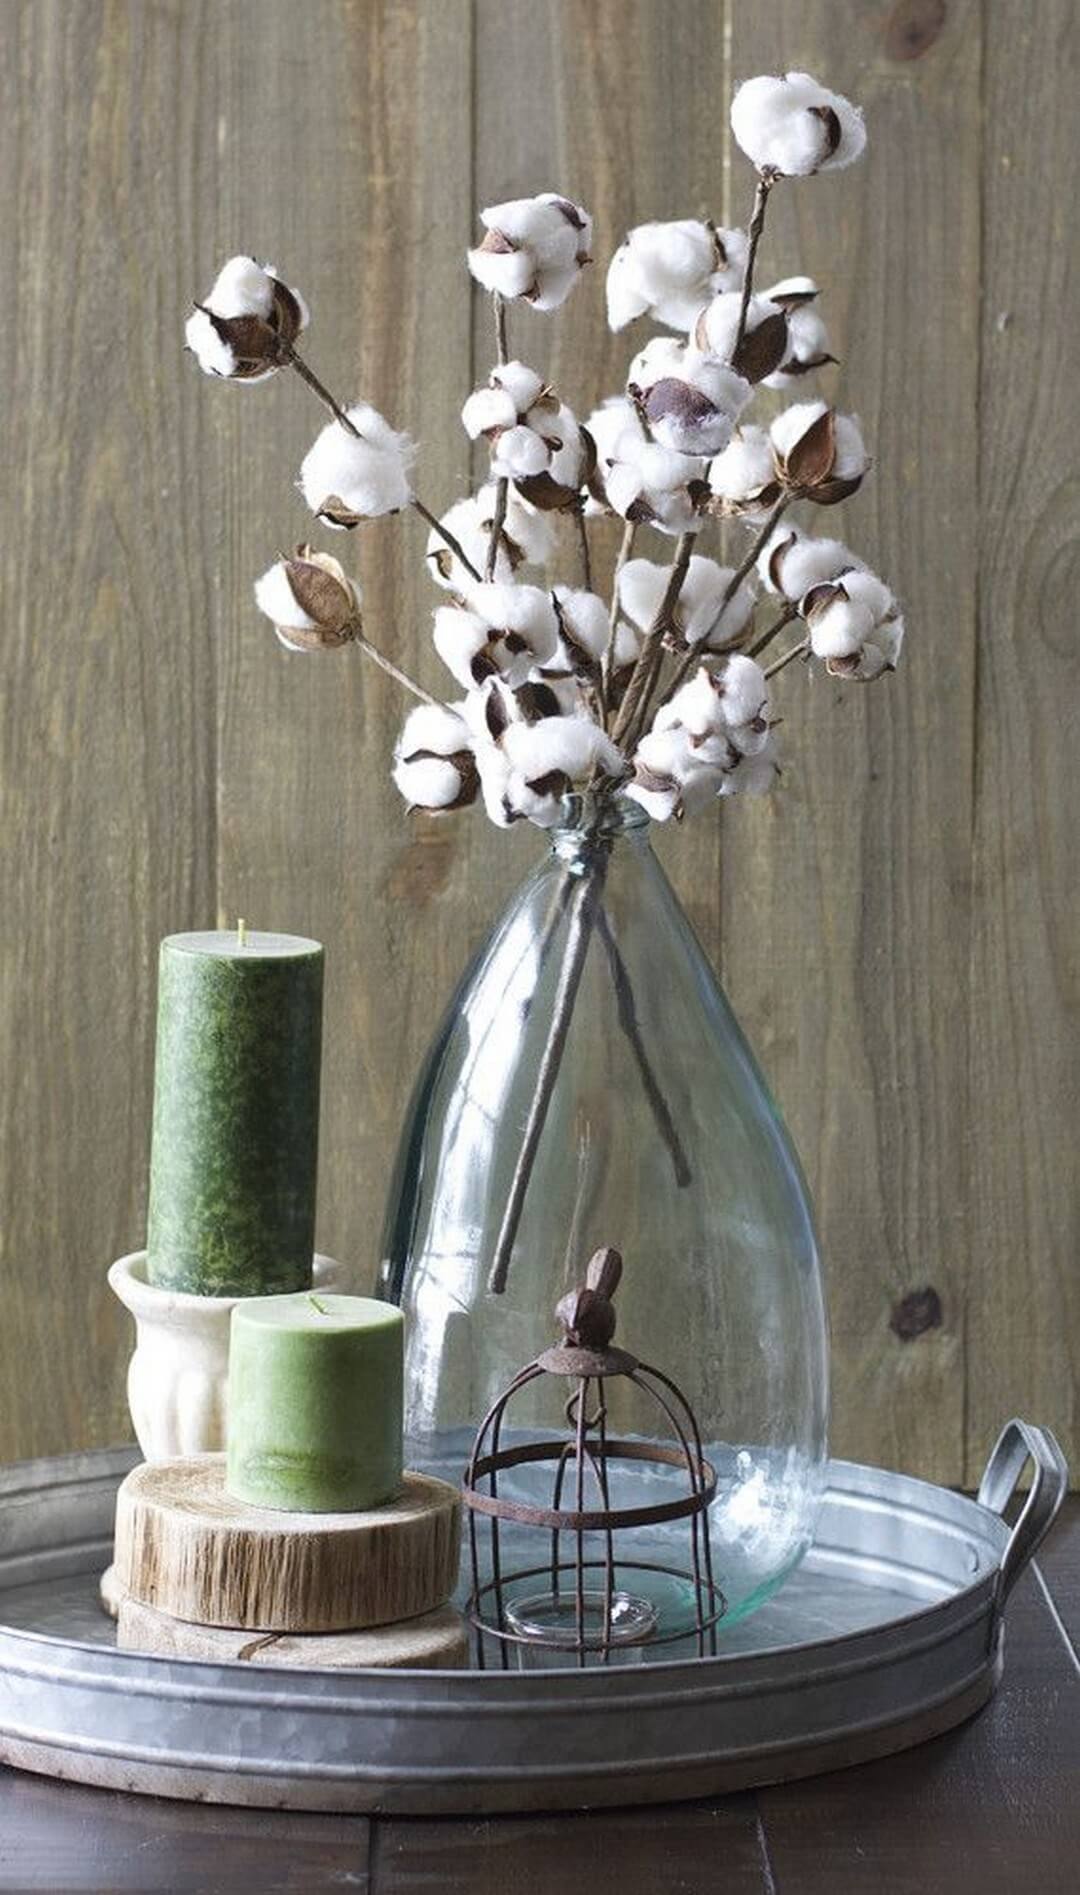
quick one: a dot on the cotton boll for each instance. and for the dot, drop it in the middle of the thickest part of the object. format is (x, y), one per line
(693, 410)
(669, 270)
(855, 626)
(652, 485)
(245, 328)
(534, 249)
(568, 745)
(526, 538)
(312, 603)
(346, 478)
(437, 728)
(791, 562)
(742, 480)
(819, 454)
(794, 127)
(841, 628)
(522, 617)
(437, 784)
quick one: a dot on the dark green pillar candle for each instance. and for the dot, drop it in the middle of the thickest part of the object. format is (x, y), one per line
(236, 1114)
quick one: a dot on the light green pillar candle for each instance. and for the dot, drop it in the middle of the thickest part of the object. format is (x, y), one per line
(315, 1402)
(236, 1114)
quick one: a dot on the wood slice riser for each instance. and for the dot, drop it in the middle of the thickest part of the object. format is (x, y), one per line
(186, 1548)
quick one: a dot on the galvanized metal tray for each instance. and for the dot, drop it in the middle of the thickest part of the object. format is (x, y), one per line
(890, 1632)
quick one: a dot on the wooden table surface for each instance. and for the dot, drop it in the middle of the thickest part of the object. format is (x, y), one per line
(993, 1807)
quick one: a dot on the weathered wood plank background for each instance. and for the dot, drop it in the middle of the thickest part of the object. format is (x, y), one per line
(899, 928)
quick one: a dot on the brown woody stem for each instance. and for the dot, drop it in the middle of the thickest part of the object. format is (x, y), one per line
(790, 612)
(584, 903)
(753, 230)
(583, 547)
(698, 650)
(640, 688)
(448, 538)
(392, 670)
(628, 1020)
(320, 389)
(502, 485)
(797, 651)
(626, 547)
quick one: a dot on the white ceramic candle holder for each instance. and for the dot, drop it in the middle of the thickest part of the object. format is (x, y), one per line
(178, 1374)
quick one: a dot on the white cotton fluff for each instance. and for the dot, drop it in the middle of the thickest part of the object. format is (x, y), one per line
(647, 481)
(486, 410)
(428, 782)
(519, 452)
(522, 613)
(583, 620)
(669, 270)
(369, 476)
(642, 584)
(459, 637)
(743, 477)
(535, 248)
(275, 596)
(859, 633)
(435, 727)
(851, 459)
(807, 348)
(725, 712)
(571, 745)
(718, 324)
(211, 351)
(661, 356)
(673, 776)
(744, 693)
(753, 775)
(791, 562)
(510, 392)
(794, 126)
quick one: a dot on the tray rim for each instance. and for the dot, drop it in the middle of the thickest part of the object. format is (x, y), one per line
(857, 1478)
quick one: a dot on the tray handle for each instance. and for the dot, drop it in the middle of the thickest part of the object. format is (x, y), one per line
(1018, 1443)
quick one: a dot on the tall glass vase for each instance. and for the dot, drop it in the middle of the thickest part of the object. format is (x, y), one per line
(589, 1085)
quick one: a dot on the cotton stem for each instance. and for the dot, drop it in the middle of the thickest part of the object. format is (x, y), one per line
(753, 230)
(645, 671)
(584, 902)
(698, 650)
(797, 651)
(392, 670)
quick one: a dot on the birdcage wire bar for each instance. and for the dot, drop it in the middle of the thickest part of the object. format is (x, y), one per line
(589, 1450)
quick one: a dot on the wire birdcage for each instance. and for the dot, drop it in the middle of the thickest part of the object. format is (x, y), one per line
(584, 1613)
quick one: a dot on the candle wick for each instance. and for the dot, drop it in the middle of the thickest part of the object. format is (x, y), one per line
(320, 1306)
(241, 934)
